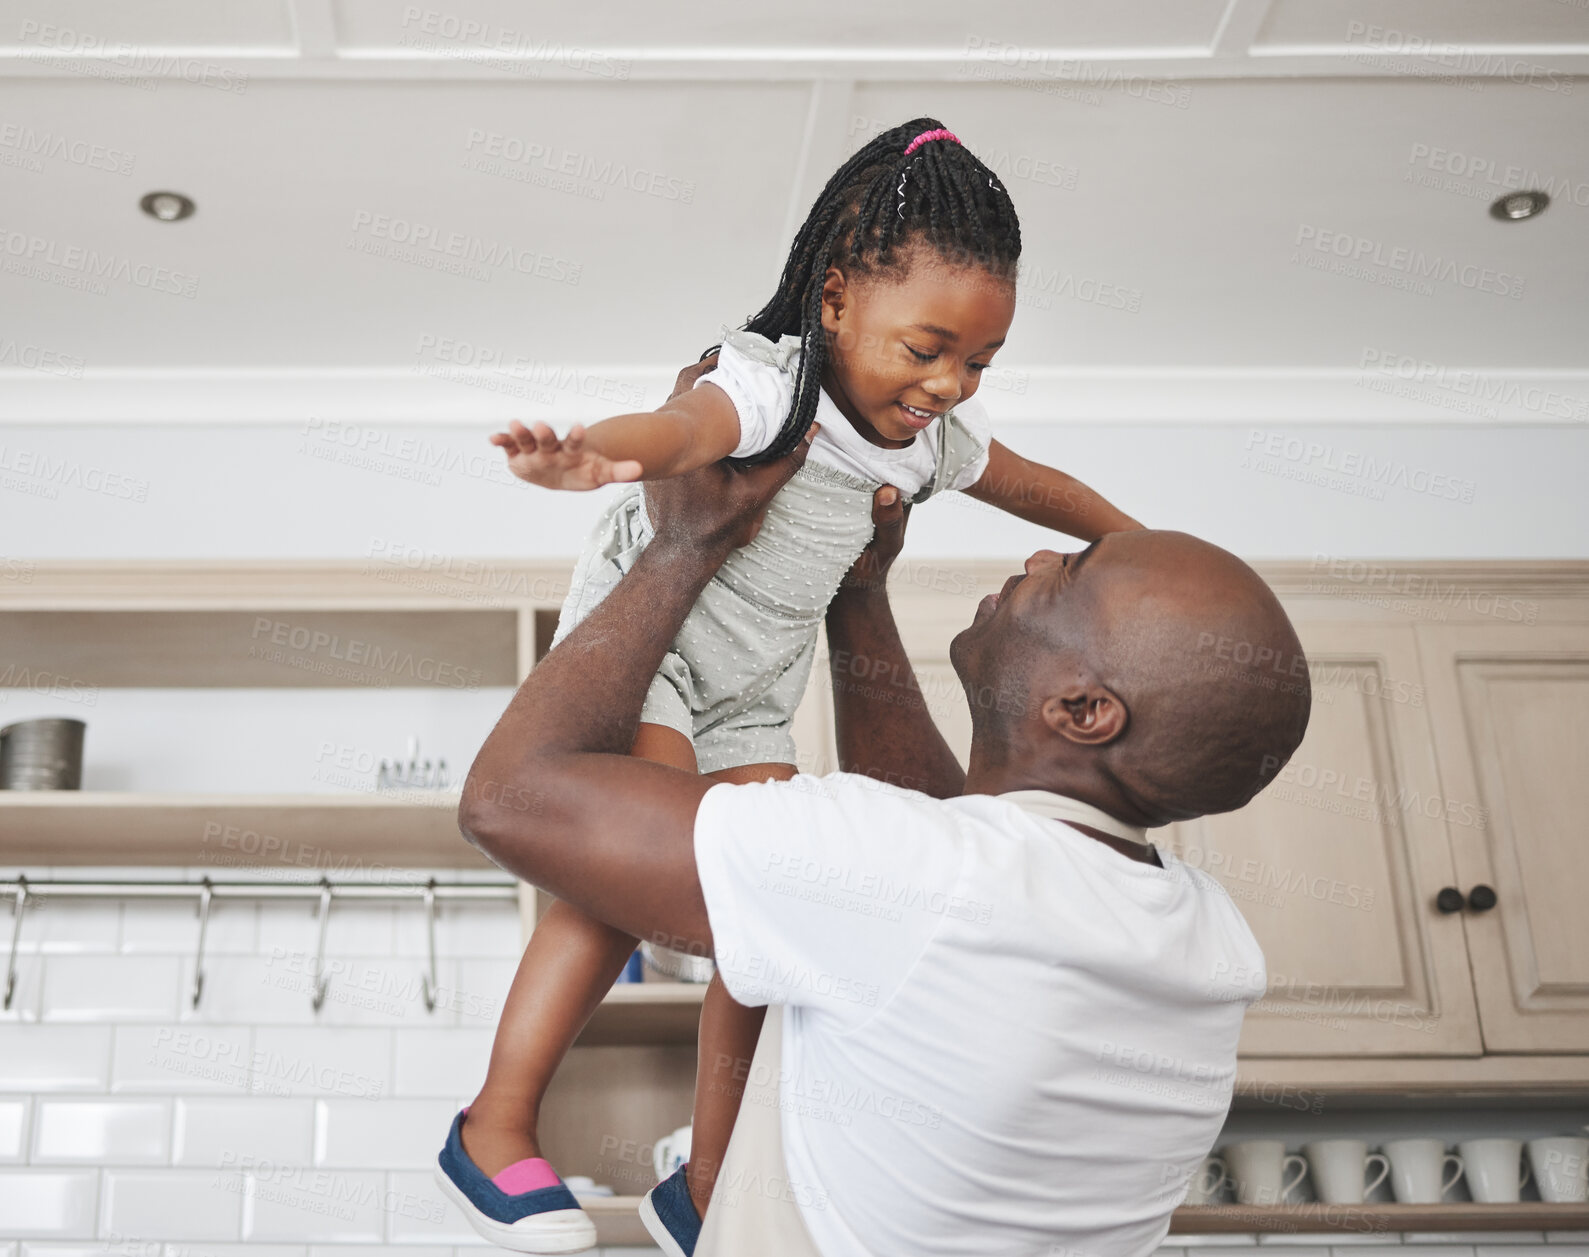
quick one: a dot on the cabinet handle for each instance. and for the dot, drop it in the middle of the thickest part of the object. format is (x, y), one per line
(1482, 898)
(1450, 900)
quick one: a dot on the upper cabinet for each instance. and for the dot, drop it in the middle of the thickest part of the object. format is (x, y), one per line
(1336, 866)
(1509, 707)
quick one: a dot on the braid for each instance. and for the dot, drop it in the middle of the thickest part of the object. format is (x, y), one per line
(876, 207)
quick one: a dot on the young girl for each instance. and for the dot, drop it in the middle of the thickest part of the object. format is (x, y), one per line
(898, 291)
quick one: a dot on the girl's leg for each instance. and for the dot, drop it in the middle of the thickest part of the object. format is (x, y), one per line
(728, 1037)
(569, 965)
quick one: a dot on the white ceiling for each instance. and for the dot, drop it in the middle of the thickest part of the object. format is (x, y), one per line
(1173, 160)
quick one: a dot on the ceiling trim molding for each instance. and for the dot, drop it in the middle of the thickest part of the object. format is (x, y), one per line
(1046, 70)
(425, 394)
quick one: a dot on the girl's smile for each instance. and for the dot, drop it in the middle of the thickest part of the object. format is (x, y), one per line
(907, 346)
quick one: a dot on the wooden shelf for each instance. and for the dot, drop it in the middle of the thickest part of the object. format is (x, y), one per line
(617, 1221)
(1265, 1082)
(307, 833)
(1376, 1219)
(646, 1012)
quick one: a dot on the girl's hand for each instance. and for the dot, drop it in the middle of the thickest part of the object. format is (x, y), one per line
(542, 458)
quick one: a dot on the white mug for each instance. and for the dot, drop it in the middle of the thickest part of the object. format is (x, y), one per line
(671, 1151)
(1491, 1166)
(1416, 1167)
(1561, 1168)
(1257, 1167)
(1338, 1166)
(1207, 1181)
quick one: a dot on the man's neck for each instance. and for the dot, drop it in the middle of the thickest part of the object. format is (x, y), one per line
(982, 778)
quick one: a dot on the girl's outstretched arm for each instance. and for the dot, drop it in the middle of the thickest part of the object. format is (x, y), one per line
(1042, 495)
(690, 430)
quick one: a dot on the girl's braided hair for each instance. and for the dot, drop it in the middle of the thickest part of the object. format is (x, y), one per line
(914, 184)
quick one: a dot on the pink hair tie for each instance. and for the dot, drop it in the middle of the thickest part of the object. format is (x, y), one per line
(928, 136)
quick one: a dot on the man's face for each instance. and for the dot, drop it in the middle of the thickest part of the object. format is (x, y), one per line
(1054, 591)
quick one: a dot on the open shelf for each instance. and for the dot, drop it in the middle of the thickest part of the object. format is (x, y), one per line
(617, 1220)
(1375, 1219)
(303, 832)
(646, 1012)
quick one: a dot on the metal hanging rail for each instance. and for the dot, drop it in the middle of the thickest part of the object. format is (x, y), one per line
(205, 892)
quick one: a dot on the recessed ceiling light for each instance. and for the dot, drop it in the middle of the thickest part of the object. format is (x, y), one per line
(168, 207)
(1516, 206)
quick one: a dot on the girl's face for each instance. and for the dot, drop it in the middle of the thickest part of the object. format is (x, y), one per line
(903, 349)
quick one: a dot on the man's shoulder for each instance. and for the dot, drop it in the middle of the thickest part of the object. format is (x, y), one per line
(892, 791)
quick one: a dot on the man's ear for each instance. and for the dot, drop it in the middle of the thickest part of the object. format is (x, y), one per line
(833, 300)
(1090, 715)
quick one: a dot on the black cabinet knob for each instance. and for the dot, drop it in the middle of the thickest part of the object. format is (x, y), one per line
(1482, 898)
(1449, 900)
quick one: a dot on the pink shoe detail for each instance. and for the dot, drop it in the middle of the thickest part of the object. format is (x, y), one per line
(526, 1176)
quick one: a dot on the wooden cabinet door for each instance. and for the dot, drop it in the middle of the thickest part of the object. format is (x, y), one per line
(1337, 863)
(1510, 707)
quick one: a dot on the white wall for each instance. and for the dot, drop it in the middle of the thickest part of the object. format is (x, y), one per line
(307, 490)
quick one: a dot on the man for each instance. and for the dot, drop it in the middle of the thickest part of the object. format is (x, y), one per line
(1009, 1023)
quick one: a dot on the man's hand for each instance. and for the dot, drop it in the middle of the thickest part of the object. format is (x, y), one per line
(719, 508)
(543, 458)
(869, 572)
(690, 374)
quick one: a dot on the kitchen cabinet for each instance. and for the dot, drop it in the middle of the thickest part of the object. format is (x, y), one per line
(1337, 863)
(1509, 710)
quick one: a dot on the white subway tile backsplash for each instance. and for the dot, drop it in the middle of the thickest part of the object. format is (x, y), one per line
(61, 926)
(48, 1204)
(1518, 1250)
(28, 994)
(379, 991)
(181, 1059)
(116, 988)
(487, 929)
(49, 1248)
(441, 1063)
(253, 989)
(391, 1135)
(226, 1250)
(14, 1111)
(1385, 1249)
(422, 1215)
(380, 1250)
(478, 991)
(54, 1058)
(173, 929)
(295, 1203)
(356, 928)
(170, 1205)
(213, 1132)
(374, 1250)
(349, 1063)
(102, 1132)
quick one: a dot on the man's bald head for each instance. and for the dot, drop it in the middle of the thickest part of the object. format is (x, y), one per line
(1155, 662)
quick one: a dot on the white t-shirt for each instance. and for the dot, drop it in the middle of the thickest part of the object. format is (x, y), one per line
(1001, 1036)
(762, 395)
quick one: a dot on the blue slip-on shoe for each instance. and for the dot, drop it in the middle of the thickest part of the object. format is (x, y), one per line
(669, 1215)
(546, 1219)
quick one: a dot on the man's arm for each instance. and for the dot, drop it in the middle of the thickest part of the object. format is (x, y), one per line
(880, 715)
(553, 796)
